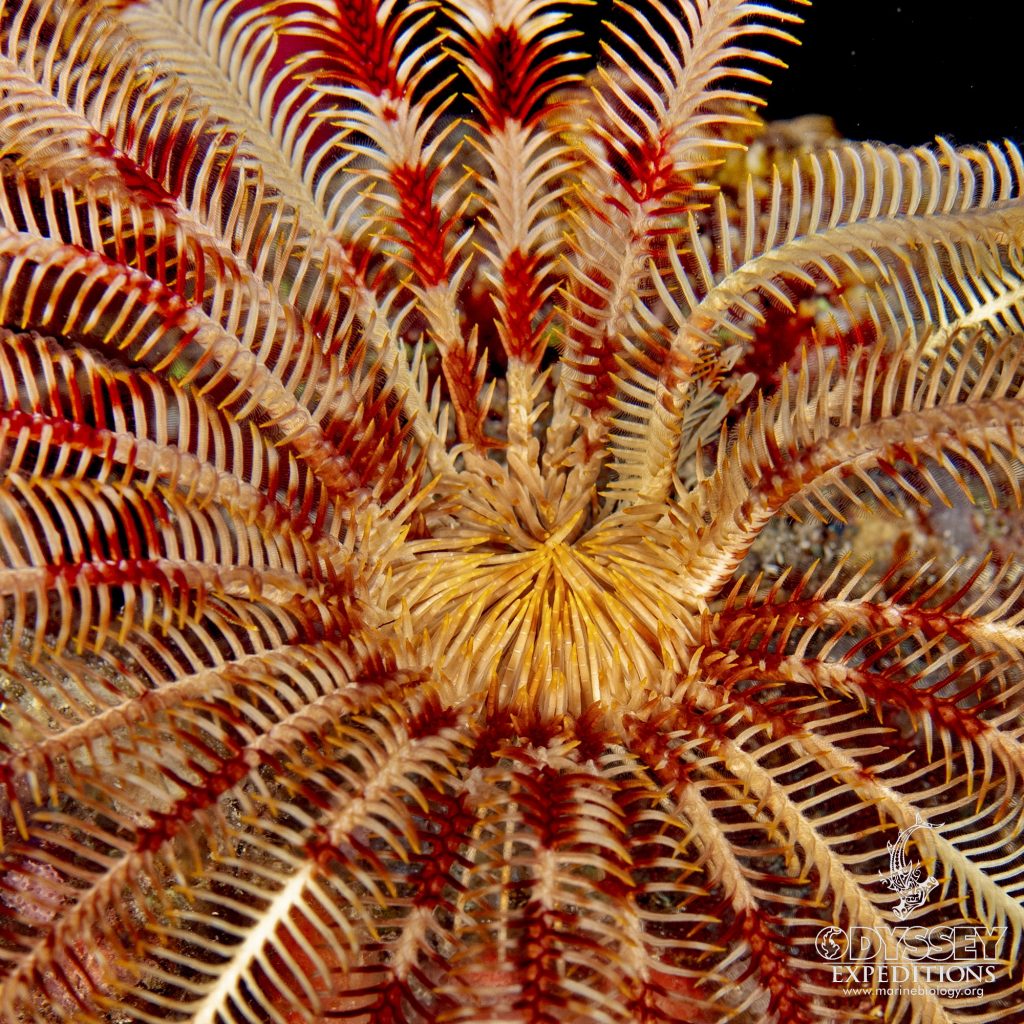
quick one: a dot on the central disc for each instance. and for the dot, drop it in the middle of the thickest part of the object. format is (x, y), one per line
(549, 623)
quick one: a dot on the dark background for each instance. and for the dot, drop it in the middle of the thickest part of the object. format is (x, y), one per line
(899, 71)
(904, 71)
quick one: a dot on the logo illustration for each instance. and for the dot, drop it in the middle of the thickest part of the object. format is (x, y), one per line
(905, 878)
(827, 943)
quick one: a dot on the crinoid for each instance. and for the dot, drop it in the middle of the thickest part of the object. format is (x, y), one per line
(422, 597)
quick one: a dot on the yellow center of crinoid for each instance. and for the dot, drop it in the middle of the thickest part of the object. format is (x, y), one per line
(545, 611)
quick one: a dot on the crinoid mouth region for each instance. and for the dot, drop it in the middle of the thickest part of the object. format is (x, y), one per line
(543, 610)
